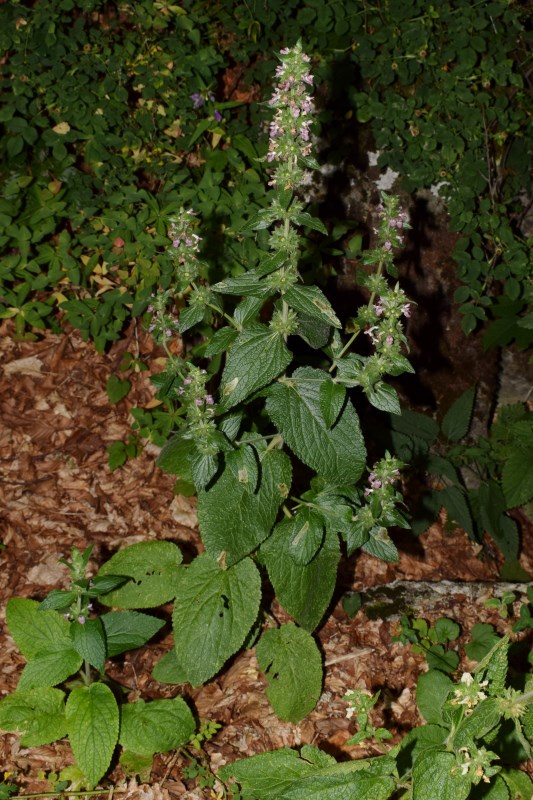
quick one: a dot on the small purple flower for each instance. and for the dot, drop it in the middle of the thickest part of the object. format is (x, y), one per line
(389, 340)
(197, 100)
(209, 400)
(198, 401)
(406, 310)
(81, 619)
(217, 115)
(387, 245)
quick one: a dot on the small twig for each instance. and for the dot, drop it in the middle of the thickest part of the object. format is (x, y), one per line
(362, 651)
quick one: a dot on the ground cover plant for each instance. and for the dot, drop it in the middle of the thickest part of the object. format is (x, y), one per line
(263, 405)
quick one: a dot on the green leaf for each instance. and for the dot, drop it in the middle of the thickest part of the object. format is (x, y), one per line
(57, 600)
(191, 316)
(175, 456)
(304, 218)
(517, 477)
(439, 658)
(436, 774)
(213, 612)
(136, 765)
(332, 397)
(234, 521)
(454, 500)
(425, 737)
(220, 341)
(257, 357)
(243, 464)
(456, 422)
(351, 603)
(92, 724)
(169, 670)
(38, 715)
(89, 640)
(52, 665)
(156, 727)
(154, 567)
(519, 783)
(246, 285)
(311, 302)
(446, 630)
(282, 775)
(485, 716)
(303, 590)
(337, 454)
(292, 665)
(117, 388)
(384, 397)
(414, 424)
(306, 535)
(34, 630)
(432, 689)
(484, 638)
(380, 545)
(203, 468)
(128, 630)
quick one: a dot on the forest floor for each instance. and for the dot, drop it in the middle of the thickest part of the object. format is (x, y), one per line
(58, 492)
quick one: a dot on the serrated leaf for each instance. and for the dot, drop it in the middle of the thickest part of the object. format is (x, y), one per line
(332, 397)
(38, 715)
(315, 333)
(337, 454)
(235, 521)
(414, 424)
(169, 670)
(136, 766)
(517, 477)
(304, 590)
(425, 737)
(154, 567)
(175, 456)
(292, 665)
(89, 641)
(485, 716)
(282, 775)
(310, 301)
(519, 783)
(128, 630)
(203, 468)
(439, 658)
(456, 422)
(247, 310)
(437, 465)
(306, 536)
(57, 599)
(432, 689)
(257, 356)
(446, 630)
(32, 629)
(248, 284)
(384, 397)
(380, 545)
(436, 774)
(304, 218)
(454, 500)
(156, 727)
(221, 341)
(270, 264)
(191, 316)
(230, 424)
(243, 464)
(92, 723)
(52, 665)
(213, 612)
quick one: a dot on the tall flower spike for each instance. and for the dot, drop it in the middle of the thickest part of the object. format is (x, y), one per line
(290, 127)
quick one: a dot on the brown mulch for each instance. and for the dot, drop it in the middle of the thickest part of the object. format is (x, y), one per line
(57, 491)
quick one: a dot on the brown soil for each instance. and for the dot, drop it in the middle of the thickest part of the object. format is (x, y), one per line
(57, 491)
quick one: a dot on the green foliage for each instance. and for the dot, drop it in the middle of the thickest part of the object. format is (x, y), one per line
(477, 481)
(444, 88)
(61, 636)
(433, 641)
(455, 754)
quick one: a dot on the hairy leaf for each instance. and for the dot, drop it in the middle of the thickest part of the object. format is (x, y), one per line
(436, 774)
(292, 665)
(92, 724)
(38, 715)
(332, 398)
(257, 357)
(169, 670)
(32, 629)
(517, 477)
(156, 727)
(311, 302)
(337, 454)
(128, 630)
(52, 665)
(154, 568)
(432, 689)
(89, 640)
(175, 456)
(213, 612)
(304, 590)
(233, 520)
